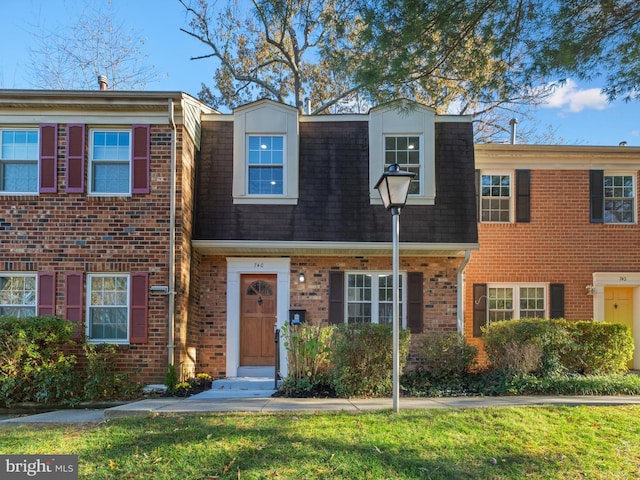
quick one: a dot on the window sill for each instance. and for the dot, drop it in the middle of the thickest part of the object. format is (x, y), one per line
(258, 200)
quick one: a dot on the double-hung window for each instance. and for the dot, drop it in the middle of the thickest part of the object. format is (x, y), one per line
(19, 161)
(619, 199)
(108, 308)
(370, 298)
(18, 295)
(495, 198)
(110, 162)
(266, 164)
(407, 153)
(516, 301)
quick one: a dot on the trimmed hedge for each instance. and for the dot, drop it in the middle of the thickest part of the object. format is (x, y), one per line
(363, 359)
(445, 355)
(548, 347)
(599, 348)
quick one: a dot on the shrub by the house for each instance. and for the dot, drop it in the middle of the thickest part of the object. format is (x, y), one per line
(598, 348)
(309, 364)
(546, 347)
(363, 359)
(35, 365)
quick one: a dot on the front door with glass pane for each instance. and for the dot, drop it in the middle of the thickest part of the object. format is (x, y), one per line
(258, 319)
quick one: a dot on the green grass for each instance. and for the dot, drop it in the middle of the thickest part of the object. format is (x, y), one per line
(492, 443)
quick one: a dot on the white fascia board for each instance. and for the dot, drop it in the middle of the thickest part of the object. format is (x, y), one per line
(244, 247)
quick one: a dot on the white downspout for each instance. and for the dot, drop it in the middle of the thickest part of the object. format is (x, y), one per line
(172, 236)
(460, 292)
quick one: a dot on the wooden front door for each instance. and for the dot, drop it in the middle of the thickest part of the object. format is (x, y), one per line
(258, 319)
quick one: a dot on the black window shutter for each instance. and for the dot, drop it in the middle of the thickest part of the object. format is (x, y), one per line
(556, 300)
(336, 297)
(414, 301)
(596, 191)
(523, 195)
(478, 192)
(479, 308)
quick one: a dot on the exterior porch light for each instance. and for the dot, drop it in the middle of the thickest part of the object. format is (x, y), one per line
(393, 187)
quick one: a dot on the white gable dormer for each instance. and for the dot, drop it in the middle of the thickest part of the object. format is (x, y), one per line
(265, 153)
(403, 134)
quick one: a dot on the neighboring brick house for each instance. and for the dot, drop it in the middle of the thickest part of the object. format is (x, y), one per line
(559, 236)
(288, 222)
(88, 205)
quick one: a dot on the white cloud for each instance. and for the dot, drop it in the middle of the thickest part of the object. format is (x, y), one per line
(570, 98)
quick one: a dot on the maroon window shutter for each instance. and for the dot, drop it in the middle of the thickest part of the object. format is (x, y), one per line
(138, 309)
(73, 299)
(414, 301)
(75, 158)
(140, 175)
(336, 298)
(48, 158)
(479, 308)
(46, 294)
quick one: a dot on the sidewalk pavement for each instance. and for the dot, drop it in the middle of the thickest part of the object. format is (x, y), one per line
(203, 403)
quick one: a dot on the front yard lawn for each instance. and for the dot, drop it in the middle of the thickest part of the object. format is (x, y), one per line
(492, 443)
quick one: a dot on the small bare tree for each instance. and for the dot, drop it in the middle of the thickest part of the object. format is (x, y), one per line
(72, 56)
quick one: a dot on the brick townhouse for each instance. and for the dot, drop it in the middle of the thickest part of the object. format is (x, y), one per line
(96, 201)
(183, 235)
(288, 223)
(559, 236)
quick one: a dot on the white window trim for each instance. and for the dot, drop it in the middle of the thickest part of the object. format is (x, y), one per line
(419, 122)
(620, 173)
(375, 292)
(37, 160)
(90, 191)
(516, 296)
(120, 341)
(421, 178)
(284, 166)
(31, 275)
(512, 197)
(265, 117)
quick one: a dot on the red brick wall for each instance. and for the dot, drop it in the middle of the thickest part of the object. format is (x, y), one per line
(439, 296)
(75, 232)
(559, 245)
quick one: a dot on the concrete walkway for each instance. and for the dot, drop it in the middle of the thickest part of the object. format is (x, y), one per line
(203, 403)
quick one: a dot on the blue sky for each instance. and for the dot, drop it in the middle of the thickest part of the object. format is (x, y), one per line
(577, 113)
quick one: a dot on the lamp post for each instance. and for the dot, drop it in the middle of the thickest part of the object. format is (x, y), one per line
(393, 187)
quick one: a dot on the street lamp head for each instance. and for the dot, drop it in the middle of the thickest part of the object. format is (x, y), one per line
(393, 186)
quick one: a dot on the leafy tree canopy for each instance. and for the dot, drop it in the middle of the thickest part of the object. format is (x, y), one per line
(491, 59)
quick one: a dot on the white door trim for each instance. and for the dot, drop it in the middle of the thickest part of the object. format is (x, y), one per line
(254, 265)
(619, 279)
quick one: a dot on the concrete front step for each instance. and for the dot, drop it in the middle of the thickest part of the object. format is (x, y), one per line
(240, 387)
(265, 372)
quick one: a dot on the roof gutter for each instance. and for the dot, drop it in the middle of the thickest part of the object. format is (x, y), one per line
(172, 237)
